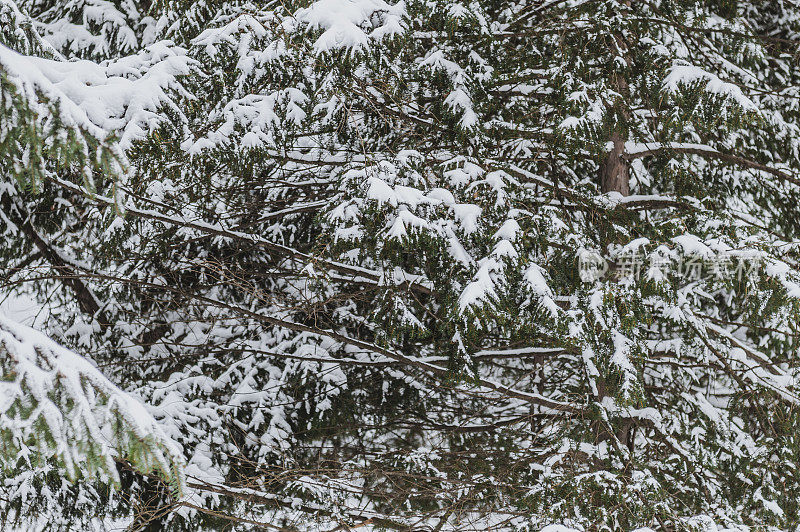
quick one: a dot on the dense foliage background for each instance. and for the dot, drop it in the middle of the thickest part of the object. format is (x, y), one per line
(336, 246)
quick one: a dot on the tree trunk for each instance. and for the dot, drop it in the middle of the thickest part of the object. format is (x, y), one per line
(614, 175)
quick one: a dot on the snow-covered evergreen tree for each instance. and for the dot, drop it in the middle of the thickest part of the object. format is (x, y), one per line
(341, 248)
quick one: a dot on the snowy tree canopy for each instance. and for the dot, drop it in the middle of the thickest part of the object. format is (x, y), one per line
(401, 265)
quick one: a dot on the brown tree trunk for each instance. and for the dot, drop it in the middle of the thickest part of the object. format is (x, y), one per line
(614, 174)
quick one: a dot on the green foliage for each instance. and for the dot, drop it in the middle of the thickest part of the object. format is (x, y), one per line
(348, 276)
(58, 409)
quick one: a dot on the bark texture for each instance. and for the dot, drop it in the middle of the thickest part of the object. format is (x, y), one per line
(614, 172)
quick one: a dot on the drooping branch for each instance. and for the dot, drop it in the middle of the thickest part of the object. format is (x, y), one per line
(67, 272)
(358, 273)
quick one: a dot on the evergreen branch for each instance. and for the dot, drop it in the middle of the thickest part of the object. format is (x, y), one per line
(358, 273)
(58, 406)
(712, 154)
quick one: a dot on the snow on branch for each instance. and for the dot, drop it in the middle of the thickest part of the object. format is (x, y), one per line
(122, 97)
(54, 404)
(686, 75)
(343, 22)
